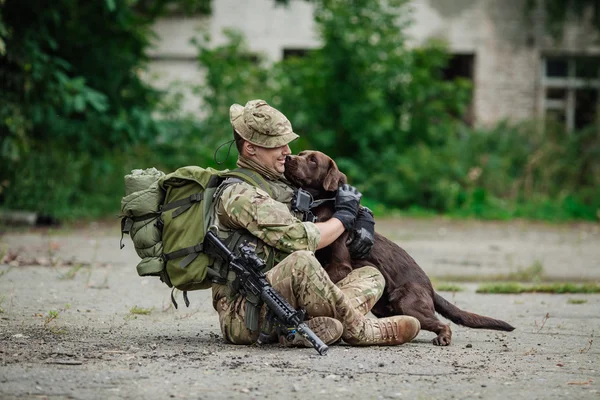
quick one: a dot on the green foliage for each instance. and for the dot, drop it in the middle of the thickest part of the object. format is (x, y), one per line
(558, 288)
(393, 124)
(84, 95)
(52, 315)
(576, 301)
(533, 273)
(363, 98)
(448, 287)
(233, 73)
(75, 116)
(73, 105)
(135, 310)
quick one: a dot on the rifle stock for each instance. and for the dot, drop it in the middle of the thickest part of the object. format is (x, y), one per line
(248, 269)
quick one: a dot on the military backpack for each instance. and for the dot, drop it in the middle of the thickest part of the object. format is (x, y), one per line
(167, 217)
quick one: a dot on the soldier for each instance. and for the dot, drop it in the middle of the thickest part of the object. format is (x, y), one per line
(262, 135)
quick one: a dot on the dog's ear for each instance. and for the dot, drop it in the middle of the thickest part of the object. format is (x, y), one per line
(334, 178)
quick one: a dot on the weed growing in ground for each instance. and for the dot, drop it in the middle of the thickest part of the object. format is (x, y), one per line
(448, 287)
(4, 272)
(135, 310)
(587, 347)
(533, 273)
(558, 288)
(576, 301)
(71, 273)
(546, 317)
(1, 303)
(52, 315)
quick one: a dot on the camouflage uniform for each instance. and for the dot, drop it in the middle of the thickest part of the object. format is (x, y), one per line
(298, 276)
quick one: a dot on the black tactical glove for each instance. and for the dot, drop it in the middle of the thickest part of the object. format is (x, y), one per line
(363, 234)
(347, 201)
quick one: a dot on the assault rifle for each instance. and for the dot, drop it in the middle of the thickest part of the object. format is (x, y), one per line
(248, 269)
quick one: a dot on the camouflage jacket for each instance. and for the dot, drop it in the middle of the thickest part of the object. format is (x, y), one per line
(278, 230)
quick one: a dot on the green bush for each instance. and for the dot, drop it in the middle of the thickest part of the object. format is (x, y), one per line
(75, 115)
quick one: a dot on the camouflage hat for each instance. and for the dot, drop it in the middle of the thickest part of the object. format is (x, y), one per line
(261, 124)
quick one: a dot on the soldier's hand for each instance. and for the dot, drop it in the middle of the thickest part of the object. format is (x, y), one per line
(363, 234)
(347, 201)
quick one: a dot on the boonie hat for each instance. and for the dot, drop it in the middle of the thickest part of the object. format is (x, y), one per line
(261, 124)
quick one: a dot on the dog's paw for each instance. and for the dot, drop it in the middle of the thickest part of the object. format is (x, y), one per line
(442, 340)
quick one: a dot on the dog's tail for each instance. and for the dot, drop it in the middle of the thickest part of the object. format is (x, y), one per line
(460, 317)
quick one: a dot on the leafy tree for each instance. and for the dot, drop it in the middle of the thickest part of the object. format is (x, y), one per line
(364, 97)
(72, 91)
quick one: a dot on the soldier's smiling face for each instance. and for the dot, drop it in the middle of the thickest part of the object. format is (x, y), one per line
(273, 159)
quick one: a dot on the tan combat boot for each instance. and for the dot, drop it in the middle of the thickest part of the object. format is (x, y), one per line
(329, 330)
(384, 331)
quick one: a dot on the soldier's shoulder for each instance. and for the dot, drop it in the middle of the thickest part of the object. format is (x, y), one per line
(243, 189)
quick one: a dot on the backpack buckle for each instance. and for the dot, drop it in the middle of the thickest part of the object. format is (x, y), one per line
(126, 225)
(196, 197)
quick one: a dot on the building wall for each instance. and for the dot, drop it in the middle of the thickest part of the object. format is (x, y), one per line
(507, 48)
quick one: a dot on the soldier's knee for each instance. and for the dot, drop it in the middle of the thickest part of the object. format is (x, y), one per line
(372, 273)
(306, 260)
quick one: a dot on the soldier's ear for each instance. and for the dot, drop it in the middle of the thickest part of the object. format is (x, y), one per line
(334, 178)
(249, 148)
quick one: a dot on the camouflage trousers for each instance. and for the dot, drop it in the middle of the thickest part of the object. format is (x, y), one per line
(301, 280)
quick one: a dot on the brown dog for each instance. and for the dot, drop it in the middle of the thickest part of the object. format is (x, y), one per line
(408, 290)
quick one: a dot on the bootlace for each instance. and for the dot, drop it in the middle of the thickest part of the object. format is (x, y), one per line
(389, 329)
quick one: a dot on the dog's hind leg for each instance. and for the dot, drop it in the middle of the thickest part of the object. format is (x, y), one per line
(417, 302)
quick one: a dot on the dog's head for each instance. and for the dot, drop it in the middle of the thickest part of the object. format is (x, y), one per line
(314, 170)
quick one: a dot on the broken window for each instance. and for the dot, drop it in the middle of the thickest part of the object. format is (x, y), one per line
(287, 53)
(462, 66)
(570, 87)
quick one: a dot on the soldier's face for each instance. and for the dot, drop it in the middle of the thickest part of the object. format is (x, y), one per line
(274, 158)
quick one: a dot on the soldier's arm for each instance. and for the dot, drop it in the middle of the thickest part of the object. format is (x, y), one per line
(247, 207)
(330, 230)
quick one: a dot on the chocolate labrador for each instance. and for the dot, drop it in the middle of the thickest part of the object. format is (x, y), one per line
(408, 290)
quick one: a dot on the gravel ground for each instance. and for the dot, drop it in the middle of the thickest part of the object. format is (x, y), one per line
(67, 330)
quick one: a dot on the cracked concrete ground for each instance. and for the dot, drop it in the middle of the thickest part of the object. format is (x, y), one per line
(67, 330)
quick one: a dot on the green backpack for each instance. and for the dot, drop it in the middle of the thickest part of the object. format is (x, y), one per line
(167, 217)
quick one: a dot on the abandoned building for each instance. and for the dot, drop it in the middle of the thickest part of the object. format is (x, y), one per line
(518, 71)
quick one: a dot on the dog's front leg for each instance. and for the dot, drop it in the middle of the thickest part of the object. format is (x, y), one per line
(340, 265)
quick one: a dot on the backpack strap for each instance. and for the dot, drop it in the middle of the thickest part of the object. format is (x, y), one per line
(251, 177)
(190, 252)
(127, 224)
(183, 205)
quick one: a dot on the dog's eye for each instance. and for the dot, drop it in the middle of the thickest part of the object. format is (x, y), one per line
(313, 159)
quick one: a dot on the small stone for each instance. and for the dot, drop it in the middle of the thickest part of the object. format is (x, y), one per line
(20, 336)
(468, 346)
